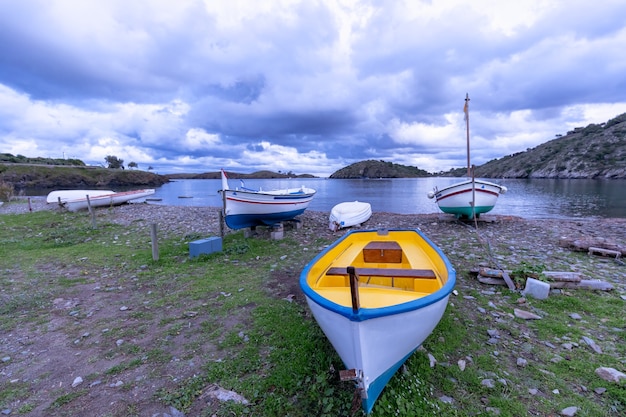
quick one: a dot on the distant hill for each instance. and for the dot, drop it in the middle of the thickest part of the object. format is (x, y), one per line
(237, 175)
(379, 169)
(24, 175)
(595, 151)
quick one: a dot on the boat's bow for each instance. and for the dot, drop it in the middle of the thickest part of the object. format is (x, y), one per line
(377, 297)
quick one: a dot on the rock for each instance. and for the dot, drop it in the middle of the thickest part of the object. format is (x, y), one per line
(173, 412)
(592, 344)
(446, 400)
(569, 411)
(610, 374)
(526, 315)
(221, 394)
(461, 364)
(77, 381)
(521, 362)
(432, 360)
(487, 383)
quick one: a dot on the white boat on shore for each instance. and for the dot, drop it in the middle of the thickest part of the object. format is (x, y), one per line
(244, 207)
(104, 200)
(348, 214)
(64, 195)
(377, 295)
(471, 197)
(468, 198)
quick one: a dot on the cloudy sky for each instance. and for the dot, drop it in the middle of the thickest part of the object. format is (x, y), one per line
(304, 86)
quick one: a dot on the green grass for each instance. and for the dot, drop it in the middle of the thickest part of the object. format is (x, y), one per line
(222, 313)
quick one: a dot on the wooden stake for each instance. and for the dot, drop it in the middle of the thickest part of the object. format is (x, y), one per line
(155, 241)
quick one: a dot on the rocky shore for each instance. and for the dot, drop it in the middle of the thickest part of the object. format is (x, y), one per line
(496, 241)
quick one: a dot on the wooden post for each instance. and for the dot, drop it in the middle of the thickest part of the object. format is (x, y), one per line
(354, 289)
(30, 207)
(221, 223)
(155, 241)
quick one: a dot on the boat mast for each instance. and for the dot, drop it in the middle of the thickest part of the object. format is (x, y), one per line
(466, 111)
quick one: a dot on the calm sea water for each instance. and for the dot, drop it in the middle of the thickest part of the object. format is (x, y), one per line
(534, 198)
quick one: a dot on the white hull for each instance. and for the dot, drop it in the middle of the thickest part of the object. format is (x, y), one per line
(64, 195)
(378, 346)
(468, 198)
(106, 199)
(349, 214)
(390, 319)
(249, 208)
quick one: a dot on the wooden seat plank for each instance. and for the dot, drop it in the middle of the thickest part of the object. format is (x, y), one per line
(386, 272)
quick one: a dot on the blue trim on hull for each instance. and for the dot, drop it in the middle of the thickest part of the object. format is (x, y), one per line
(241, 221)
(376, 387)
(372, 313)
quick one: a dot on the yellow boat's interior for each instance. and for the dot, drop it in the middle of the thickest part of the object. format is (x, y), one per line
(389, 271)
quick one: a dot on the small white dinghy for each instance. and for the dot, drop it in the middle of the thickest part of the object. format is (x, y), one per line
(104, 200)
(349, 214)
(65, 195)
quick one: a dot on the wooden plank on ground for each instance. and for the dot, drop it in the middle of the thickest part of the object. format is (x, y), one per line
(604, 252)
(508, 280)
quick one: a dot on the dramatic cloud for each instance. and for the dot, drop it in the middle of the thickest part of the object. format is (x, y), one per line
(303, 86)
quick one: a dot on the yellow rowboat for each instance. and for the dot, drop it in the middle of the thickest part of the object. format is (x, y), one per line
(377, 295)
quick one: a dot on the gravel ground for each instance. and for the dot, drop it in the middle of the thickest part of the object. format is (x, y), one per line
(467, 244)
(496, 241)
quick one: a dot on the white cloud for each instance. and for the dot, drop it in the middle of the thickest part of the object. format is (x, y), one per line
(307, 86)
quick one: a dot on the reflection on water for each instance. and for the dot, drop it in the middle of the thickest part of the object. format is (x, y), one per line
(529, 198)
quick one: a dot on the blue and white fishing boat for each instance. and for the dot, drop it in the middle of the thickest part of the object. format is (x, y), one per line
(377, 295)
(244, 207)
(471, 197)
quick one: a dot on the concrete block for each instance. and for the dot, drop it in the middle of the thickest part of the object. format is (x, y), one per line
(277, 232)
(205, 246)
(536, 289)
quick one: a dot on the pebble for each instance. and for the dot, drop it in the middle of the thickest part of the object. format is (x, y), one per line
(489, 383)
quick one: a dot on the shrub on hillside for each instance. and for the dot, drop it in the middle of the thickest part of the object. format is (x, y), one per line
(6, 191)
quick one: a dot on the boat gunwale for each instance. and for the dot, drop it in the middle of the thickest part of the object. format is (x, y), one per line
(364, 313)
